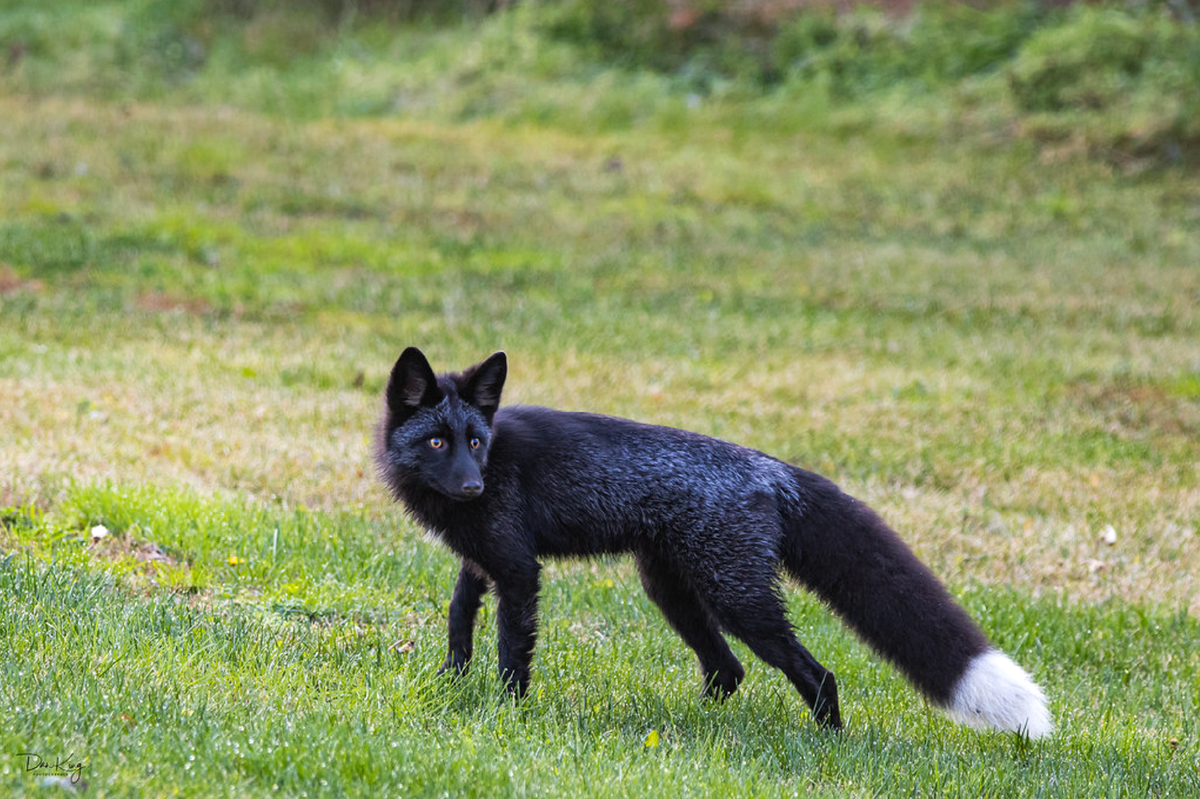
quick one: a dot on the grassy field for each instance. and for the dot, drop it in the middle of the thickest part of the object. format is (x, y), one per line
(208, 266)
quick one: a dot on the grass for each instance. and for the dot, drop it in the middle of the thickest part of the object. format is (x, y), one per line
(205, 278)
(307, 665)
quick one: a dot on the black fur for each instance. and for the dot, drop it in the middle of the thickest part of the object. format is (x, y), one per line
(710, 524)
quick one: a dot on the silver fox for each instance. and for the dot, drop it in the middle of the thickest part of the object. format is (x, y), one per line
(712, 526)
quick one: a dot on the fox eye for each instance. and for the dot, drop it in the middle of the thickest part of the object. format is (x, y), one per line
(474, 443)
(436, 443)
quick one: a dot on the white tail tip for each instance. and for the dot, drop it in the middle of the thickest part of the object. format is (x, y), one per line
(996, 692)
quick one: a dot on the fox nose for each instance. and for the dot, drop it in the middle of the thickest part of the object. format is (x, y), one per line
(472, 488)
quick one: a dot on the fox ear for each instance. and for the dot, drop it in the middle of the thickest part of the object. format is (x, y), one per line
(412, 383)
(484, 382)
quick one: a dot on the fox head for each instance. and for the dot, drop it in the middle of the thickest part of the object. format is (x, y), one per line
(436, 431)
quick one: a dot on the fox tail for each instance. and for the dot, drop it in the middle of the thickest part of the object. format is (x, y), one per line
(847, 555)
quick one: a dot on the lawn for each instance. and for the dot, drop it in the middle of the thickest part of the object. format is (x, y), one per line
(209, 264)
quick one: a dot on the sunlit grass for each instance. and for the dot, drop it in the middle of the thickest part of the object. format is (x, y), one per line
(324, 636)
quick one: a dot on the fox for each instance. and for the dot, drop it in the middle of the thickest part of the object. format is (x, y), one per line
(713, 527)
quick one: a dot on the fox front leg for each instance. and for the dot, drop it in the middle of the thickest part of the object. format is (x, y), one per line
(516, 622)
(464, 606)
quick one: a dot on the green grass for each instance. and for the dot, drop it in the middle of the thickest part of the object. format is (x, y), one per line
(207, 269)
(309, 666)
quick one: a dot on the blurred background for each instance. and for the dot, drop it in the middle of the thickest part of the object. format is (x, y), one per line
(945, 253)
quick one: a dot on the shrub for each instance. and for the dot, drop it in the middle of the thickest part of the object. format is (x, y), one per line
(1113, 79)
(765, 42)
(937, 44)
(1089, 60)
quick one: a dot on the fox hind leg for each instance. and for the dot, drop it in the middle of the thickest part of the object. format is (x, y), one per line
(754, 612)
(687, 615)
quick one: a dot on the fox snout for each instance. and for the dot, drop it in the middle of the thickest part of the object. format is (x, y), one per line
(464, 481)
(468, 490)
(471, 488)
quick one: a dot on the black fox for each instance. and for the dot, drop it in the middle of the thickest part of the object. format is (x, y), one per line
(711, 525)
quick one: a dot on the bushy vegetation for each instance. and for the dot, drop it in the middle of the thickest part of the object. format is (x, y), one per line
(1118, 78)
(1118, 82)
(1113, 80)
(766, 44)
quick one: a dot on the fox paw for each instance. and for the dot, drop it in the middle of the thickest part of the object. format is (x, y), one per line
(721, 683)
(455, 666)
